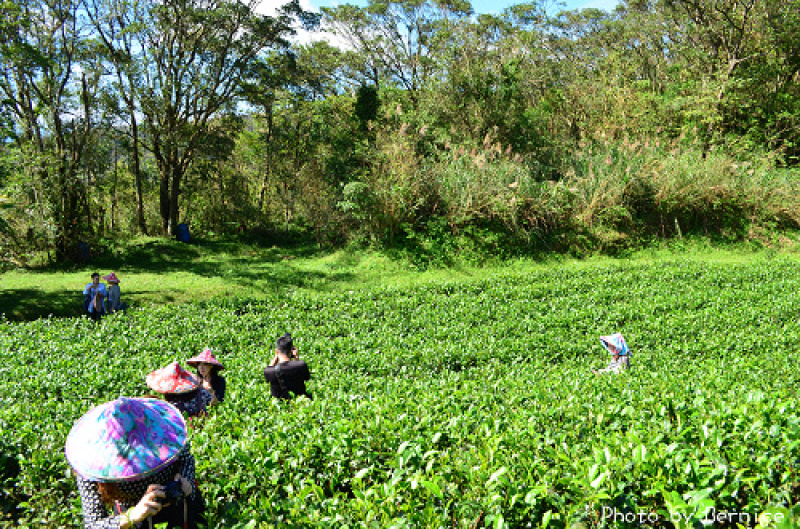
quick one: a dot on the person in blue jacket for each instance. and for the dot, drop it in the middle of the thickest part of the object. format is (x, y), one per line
(94, 298)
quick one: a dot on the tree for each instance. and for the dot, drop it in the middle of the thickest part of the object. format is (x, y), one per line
(743, 57)
(49, 83)
(395, 40)
(183, 62)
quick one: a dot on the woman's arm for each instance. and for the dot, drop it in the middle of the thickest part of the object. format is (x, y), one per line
(95, 513)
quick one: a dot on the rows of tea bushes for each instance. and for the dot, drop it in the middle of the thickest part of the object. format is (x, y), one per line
(461, 404)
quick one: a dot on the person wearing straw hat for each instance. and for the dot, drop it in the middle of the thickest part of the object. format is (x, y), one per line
(113, 294)
(208, 368)
(180, 388)
(621, 360)
(134, 467)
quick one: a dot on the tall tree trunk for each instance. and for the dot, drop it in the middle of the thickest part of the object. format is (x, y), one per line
(137, 175)
(268, 145)
(163, 202)
(173, 200)
(114, 190)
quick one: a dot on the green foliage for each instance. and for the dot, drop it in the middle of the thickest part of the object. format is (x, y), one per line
(417, 85)
(367, 105)
(458, 403)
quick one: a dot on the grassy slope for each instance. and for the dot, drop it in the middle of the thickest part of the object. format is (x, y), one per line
(154, 271)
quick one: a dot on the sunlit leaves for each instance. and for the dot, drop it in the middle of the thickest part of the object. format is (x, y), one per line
(454, 403)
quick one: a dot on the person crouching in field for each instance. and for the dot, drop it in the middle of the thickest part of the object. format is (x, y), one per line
(208, 368)
(286, 373)
(133, 464)
(615, 344)
(180, 388)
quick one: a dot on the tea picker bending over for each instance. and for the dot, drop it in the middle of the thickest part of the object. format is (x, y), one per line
(615, 344)
(286, 373)
(133, 464)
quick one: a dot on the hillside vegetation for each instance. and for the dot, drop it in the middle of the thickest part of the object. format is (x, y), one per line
(402, 123)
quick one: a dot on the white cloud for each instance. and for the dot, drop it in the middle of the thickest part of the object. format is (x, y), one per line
(270, 8)
(606, 5)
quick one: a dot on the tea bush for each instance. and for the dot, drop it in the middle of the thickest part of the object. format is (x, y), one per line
(459, 403)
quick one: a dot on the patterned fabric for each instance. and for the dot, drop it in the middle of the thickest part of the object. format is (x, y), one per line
(172, 379)
(111, 278)
(125, 439)
(206, 357)
(96, 515)
(193, 406)
(97, 304)
(618, 342)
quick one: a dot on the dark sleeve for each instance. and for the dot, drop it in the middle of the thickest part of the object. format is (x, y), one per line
(219, 389)
(272, 380)
(186, 466)
(95, 514)
(306, 372)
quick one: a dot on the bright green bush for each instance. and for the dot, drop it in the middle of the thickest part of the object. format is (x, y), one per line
(451, 404)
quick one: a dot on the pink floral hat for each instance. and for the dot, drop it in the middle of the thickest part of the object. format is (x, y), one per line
(206, 357)
(111, 278)
(618, 342)
(126, 439)
(172, 379)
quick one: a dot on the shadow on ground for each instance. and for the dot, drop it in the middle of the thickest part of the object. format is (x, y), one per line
(247, 268)
(28, 304)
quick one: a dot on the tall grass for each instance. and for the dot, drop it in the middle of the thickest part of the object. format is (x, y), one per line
(610, 193)
(660, 188)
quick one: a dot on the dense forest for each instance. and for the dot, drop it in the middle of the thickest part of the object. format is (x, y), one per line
(416, 124)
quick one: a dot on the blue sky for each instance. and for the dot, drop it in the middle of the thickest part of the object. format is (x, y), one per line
(486, 6)
(268, 7)
(480, 6)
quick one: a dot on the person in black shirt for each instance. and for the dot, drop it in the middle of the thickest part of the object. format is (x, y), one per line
(286, 373)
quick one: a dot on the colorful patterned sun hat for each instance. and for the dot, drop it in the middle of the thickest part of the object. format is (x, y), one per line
(618, 342)
(206, 357)
(125, 439)
(172, 379)
(111, 278)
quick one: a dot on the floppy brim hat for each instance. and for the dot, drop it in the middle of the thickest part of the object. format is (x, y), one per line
(618, 341)
(206, 357)
(126, 439)
(172, 379)
(111, 278)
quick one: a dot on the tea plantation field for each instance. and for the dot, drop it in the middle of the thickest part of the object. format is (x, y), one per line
(453, 403)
